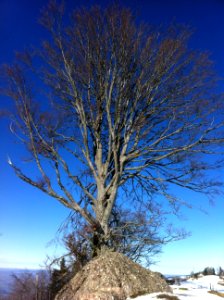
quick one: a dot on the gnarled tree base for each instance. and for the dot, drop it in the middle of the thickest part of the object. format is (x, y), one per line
(109, 276)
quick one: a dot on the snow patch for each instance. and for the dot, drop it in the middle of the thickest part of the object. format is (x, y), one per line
(193, 289)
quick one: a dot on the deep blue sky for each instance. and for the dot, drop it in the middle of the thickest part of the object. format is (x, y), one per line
(29, 219)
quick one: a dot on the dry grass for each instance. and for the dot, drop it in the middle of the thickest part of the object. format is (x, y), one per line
(136, 295)
(216, 293)
(168, 297)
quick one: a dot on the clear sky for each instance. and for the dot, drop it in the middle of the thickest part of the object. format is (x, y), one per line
(29, 219)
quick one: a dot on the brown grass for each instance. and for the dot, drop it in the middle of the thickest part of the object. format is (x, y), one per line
(216, 293)
(136, 295)
(168, 297)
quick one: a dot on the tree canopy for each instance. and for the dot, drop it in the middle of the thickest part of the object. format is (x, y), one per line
(126, 111)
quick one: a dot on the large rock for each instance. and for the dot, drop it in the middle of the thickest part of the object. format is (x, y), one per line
(112, 276)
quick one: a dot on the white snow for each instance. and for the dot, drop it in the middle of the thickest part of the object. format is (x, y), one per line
(193, 289)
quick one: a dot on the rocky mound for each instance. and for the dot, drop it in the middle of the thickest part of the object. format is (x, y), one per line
(112, 276)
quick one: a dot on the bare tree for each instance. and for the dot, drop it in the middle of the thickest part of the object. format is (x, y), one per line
(127, 112)
(29, 286)
(135, 234)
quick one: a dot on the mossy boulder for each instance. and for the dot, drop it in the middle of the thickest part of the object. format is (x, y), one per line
(112, 276)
